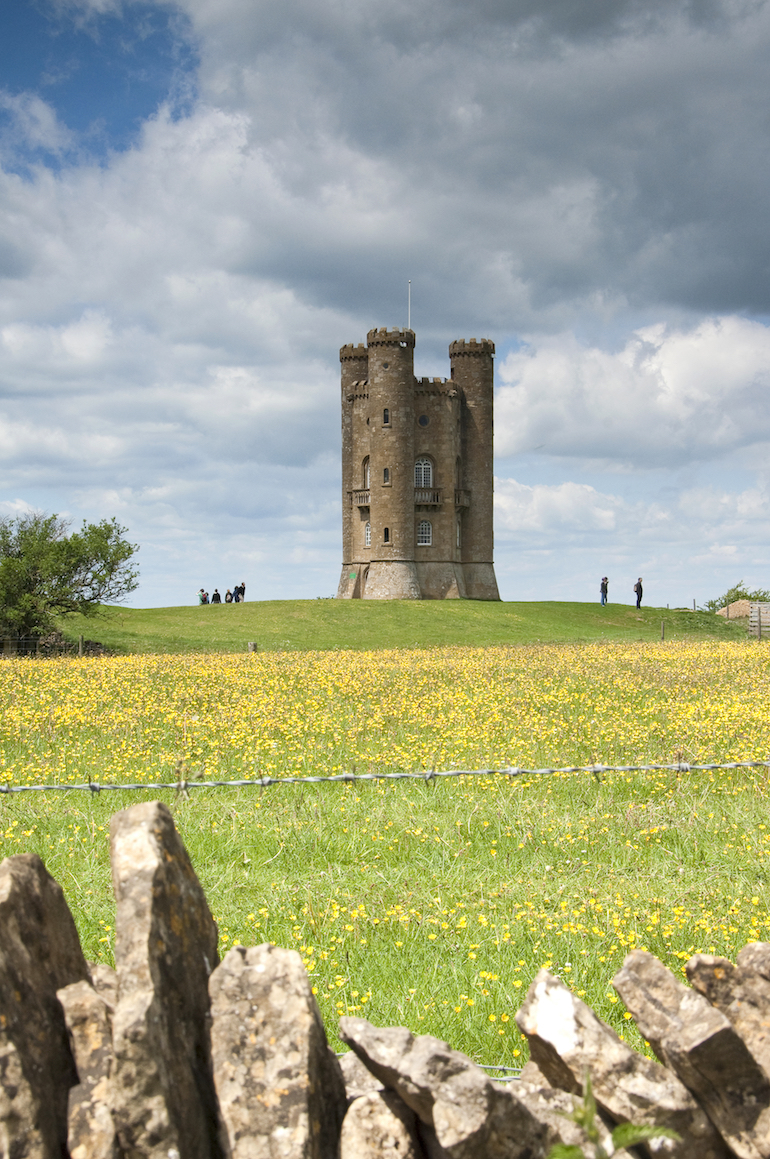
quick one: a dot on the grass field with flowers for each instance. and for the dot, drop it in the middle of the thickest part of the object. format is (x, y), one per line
(429, 904)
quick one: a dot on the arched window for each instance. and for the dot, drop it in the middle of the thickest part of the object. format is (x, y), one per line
(386, 417)
(424, 533)
(367, 535)
(366, 472)
(386, 535)
(423, 473)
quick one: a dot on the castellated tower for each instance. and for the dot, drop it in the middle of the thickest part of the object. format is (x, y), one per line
(416, 473)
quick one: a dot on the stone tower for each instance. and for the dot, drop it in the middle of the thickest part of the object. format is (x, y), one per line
(416, 473)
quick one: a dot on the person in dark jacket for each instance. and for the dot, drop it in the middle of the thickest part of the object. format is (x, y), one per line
(215, 597)
(603, 590)
(638, 590)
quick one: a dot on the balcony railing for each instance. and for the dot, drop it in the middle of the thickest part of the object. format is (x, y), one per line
(428, 496)
(359, 498)
(462, 498)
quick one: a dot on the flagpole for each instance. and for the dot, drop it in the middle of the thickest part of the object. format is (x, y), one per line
(409, 307)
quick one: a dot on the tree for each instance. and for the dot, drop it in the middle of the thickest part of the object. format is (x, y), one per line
(46, 572)
(736, 592)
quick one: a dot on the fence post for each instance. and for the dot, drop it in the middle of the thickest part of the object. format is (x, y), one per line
(80, 647)
(662, 629)
(253, 646)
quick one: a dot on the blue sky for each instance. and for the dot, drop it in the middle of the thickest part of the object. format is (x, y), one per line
(201, 201)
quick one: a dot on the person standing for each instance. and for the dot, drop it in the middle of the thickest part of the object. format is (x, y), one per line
(243, 591)
(201, 594)
(603, 590)
(638, 590)
(228, 596)
(215, 597)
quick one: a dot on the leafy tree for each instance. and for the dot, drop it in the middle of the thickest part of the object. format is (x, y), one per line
(46, 572)
(736, 592)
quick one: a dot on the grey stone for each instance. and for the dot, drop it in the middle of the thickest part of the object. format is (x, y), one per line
(164, 1104)
(39, 953)
(566, 1039)
(741, 994)
(280, 1088)
(470, 1114)
(755, 956)
(379, 1125)
(105, 982)
(91, 1131)
(703, 1048)
(555, 1108)
(358, 1080)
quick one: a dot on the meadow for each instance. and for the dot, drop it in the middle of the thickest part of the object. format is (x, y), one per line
(425, 903)
(326, 624)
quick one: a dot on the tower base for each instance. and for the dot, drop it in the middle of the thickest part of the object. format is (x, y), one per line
(392, 580)
(480, 582)
(441, 581)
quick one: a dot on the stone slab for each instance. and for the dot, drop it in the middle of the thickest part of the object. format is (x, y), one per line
(742, 994)
(566, 1039)
(91, 1131)
(39, 953)
(280, 1088)
(703, 1048)
(471, 1115)
(379, 1125)
(164, 1104)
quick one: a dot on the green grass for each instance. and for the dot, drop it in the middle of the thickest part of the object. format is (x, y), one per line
(434, 905)
(289, 625)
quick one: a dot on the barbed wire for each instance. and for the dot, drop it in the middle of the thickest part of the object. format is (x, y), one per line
(183, 785)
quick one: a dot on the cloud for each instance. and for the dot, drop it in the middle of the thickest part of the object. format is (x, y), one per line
(668, 396)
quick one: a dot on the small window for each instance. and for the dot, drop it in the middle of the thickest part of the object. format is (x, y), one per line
(423, 473)
(367, 535)
(424, 533)
(386, 535)
(459, 535)
(423, 420)
(365, 472)
(386, 417)
(386, 475)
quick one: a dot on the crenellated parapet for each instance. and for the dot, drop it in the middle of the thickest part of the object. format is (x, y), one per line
(350, 352)
(465, 347)
(397, 336)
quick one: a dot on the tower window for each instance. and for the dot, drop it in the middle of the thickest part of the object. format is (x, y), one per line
(386, 475)
(367, 535)
(366, 472)
(423, 420)
(386, 417)
(386, 535)
(423, 473)
(459, 535)
(424, 533)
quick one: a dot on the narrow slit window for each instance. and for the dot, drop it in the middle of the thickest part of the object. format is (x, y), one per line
(386, 475)
(367, 535)
(366, 472)
(424, 533)
(386, 417)
(386, 535)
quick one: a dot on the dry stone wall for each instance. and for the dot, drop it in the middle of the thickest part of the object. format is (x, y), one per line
(175, 1055)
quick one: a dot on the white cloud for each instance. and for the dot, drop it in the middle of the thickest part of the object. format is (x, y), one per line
(669, 395)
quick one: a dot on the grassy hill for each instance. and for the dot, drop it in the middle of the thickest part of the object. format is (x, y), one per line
(289, 625)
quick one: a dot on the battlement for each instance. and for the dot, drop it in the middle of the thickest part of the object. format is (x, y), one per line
(350, 352)
(463, 347)
(397, 336)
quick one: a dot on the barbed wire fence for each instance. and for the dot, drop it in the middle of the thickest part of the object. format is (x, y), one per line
(183, 785)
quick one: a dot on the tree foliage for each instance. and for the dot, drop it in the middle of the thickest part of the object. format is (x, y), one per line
(46, 571)
(737, 592)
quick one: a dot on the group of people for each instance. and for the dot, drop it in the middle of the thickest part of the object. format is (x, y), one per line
(236, 596)
(603, 586)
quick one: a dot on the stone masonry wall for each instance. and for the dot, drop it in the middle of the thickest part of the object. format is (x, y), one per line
(176, 1055)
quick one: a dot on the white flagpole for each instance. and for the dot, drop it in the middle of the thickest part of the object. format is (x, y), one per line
(409, 307)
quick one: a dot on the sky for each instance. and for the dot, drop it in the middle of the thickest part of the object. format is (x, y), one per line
(202, 200)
